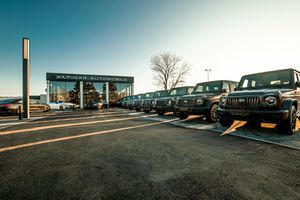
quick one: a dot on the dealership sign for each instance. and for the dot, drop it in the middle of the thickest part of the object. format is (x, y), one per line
(92, 78)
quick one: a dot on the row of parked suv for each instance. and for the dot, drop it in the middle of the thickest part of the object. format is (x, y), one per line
(272, 97)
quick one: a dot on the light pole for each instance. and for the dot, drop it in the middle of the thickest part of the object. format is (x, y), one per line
(208, 70)
(25, 58)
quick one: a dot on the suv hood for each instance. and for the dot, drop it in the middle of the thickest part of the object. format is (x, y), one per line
(259, 92)
(194, 96)
(169, 97)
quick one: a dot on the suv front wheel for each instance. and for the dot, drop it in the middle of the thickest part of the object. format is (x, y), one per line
(182, 115)
(160, 112)
(211, 115)
(288, 126)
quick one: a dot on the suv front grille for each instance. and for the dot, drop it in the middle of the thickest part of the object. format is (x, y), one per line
(247, 102)
(147, 102)
(161, 103)
(186, 102)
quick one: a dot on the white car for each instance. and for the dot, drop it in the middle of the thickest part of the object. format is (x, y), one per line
(61, 105)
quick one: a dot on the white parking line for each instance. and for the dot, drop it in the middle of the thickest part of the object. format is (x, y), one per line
(68, 125)
(10, 148)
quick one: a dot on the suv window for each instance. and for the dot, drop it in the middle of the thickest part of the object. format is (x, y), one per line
(232, 86)
(296, 77)
(190, 90)
(226, 86)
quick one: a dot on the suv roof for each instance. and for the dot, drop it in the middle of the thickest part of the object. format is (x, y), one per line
(218, 81)
(278, 70)
(182, 87)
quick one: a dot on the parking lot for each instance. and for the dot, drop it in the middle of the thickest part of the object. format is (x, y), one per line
(121, 154)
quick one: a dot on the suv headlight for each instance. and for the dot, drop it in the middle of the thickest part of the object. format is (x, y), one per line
(199, 101)
(169, 102)
(153, 102)
(223, 101)
(271, 100)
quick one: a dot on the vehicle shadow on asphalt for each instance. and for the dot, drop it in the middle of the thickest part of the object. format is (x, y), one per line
(264, 132)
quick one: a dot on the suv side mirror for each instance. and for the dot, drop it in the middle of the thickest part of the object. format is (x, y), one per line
(297, 83)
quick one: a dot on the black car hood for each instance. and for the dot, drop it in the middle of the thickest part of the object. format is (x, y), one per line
(259, 92)
(168, 97)
(194, 96)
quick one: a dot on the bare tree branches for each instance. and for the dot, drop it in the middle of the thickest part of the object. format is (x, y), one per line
(169, 70)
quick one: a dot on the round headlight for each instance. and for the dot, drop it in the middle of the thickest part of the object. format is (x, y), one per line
(169, 102)
(199, 101)
(271, 100)
(223, 100)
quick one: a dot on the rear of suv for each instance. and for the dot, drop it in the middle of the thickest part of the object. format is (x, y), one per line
(167, 104)
(204, 99)
(272, 97)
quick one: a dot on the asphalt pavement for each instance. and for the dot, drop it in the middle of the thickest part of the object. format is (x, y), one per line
(119, 154)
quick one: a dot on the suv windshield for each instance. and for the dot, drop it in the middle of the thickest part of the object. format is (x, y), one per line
(178, 91)
(148, 95)
(208, 87)
(161, 94)
(277, 79)
(140, 96)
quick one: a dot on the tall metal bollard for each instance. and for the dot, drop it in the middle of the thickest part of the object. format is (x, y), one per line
(20, 113)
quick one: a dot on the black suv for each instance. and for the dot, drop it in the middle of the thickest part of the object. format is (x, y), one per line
(272, 97)
(167, 103)
(204, 99)
(130, 102)
(137, 104)
(149, 103)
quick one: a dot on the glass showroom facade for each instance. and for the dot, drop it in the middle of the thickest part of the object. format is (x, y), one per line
(81, 89)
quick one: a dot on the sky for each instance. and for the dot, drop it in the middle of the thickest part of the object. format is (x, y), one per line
(119, 37)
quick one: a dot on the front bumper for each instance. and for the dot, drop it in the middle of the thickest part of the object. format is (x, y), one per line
(147, 107)
(168, 108)
(269, 116)
(192, 110)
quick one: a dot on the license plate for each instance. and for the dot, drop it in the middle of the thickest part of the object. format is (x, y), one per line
(183, 109)
(239, 112)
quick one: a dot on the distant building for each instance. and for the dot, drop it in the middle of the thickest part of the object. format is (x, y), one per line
(82, 88)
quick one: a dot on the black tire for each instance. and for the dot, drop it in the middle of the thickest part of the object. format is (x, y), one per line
(146, 111)
(288, 126)
(211, 115)
(138, 109)
(182, 115)
(160, 112)
(226, 122)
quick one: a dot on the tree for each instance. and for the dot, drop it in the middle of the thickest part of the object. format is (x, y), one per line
(169, 70)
